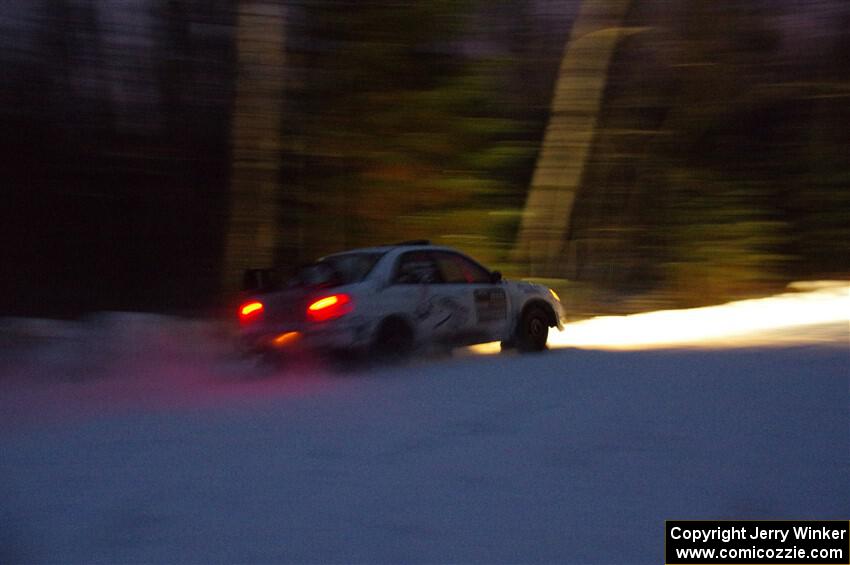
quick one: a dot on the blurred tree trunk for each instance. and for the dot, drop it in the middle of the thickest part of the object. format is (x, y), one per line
(251, 233)
(563, 156)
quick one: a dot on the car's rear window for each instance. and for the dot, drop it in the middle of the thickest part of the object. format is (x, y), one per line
(337, 270)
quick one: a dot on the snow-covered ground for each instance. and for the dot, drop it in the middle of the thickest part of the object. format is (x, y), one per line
(131, 438)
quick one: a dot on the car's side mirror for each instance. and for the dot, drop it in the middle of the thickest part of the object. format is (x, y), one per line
(495, 277)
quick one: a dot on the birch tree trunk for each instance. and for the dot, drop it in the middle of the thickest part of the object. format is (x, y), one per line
(252, 229)
(569, 135)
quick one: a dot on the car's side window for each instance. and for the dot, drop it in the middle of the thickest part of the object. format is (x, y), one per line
(416, 267)
(458, 269)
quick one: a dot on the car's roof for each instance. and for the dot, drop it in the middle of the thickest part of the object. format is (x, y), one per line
(396, 247)
(395, 250)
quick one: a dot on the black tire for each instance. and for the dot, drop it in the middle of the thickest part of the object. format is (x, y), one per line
(533, 330)
(394, 340)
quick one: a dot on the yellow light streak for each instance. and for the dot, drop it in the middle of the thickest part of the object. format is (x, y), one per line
(786, 319)
(323, 303)
(286, 339)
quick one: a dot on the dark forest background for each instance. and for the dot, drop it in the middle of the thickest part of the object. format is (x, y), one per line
(152, 149)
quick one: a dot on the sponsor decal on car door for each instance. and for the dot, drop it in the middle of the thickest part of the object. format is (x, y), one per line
(490, 305)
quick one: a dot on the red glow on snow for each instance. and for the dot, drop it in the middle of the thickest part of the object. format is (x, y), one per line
(286, 338)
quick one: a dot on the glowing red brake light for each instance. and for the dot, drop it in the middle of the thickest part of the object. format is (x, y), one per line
(329, 307)
(250, 310)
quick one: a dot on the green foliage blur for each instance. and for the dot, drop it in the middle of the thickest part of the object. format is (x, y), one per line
(400, 133)
(718, 166)
(718, 169)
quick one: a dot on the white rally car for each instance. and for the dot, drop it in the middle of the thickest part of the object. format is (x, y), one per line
(397, 298)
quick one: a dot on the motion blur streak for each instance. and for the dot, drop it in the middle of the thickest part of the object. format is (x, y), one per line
(286, 339)
(251, 308)
(324, 303)
(779, 318)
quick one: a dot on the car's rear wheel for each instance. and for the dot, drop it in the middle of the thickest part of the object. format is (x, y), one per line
(394, 340)
(533, 330)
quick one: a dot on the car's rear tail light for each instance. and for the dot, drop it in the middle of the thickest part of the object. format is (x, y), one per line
(329, 307)
(250, 311)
